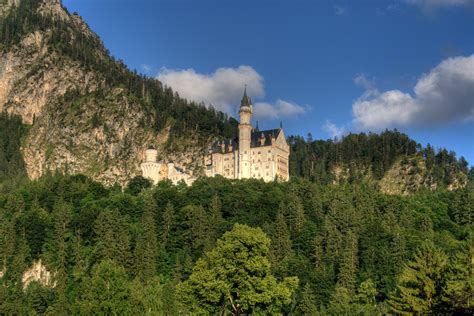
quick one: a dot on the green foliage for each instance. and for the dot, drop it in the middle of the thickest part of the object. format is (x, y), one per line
(113, 240)
(106, 292)
(146, 248)
(421, 282)
(316, 159)
(458, 291)
(348, 246)
(307, 304)
(235, 277)
(12, 130)
(137, 184)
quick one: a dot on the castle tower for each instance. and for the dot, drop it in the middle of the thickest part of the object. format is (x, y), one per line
(150, 167)
(245, 131)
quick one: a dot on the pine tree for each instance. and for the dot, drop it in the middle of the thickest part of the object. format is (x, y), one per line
(307, 302)
(340, 302)
(61, 217)
(349, 262)
(146, 250)
(113, 240)
(281, 242)
(458, 293)
(168, 215)
(293, 210)
(420, 284)
(215, 218)
(106, 292)
(365, 298)
(198, 226)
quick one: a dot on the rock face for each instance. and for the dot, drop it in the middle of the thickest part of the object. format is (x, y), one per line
(406, 176)
(38, 273)
(78, 123)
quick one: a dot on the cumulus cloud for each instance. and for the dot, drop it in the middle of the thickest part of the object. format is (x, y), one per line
(281, 109)
(334, 131)
(444, 95)
(368, 84)
(223, 89)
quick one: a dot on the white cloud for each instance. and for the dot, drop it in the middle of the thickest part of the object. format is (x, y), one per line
(367, 84)
(340, 10)
(334, 131)
(444, 95)
(223, 88)
(281, 109)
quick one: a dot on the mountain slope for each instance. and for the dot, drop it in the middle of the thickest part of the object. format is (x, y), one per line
(391, 161)
(88, 112)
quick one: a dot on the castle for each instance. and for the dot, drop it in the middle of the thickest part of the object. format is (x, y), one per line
(156, 171)
(254, 154)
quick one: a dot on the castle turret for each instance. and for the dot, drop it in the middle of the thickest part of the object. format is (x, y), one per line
(245, 131)
(150, 167)
(151, 154)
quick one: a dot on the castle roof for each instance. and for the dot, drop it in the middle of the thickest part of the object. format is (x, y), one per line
(267, 135)
(254, 140)
(217, 146)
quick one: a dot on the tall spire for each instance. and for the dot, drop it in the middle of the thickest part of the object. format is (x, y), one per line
(245, 99)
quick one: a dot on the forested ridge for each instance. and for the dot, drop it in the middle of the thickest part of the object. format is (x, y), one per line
(312, 249)
(316, 159)
(67, 38)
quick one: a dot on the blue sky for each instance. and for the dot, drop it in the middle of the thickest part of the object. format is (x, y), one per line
(325, 67)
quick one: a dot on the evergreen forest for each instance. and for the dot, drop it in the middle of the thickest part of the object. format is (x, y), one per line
(234, 247)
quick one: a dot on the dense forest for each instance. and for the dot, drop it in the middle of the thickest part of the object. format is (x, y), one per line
(67, 39)
(315, 159)
(234, 247)
(11, 161)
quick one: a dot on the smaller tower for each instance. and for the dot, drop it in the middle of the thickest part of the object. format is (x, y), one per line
(150, 167)
(151, 154)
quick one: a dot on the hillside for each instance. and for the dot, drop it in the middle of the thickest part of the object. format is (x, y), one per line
(99, 250)
(84, 112)
(391, 161)
(88, 113)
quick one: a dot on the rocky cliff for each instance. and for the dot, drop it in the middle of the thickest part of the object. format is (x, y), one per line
(406, 176)
(85, 113)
